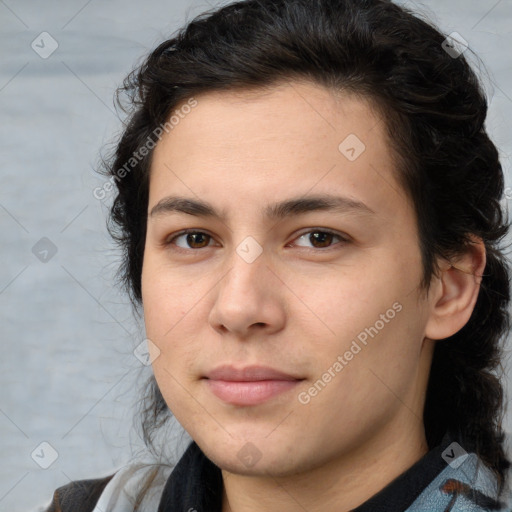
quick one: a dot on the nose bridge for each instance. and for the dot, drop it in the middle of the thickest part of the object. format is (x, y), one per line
(245, 277)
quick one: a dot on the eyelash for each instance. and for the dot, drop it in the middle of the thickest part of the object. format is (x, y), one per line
(170, 241)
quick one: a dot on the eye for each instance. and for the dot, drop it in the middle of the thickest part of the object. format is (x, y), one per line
(191, 240)
(320, 238)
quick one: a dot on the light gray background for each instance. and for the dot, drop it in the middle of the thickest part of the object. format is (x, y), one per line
(68, 374)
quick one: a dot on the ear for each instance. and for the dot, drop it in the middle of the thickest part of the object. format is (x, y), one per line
(454, 292)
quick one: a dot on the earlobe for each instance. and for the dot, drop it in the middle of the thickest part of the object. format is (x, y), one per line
(458, 286)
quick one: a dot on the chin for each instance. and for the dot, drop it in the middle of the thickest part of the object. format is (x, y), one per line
(259, 457)
(262, 468)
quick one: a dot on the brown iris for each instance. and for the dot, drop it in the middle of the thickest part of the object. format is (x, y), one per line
(324, 238)
(192, 239)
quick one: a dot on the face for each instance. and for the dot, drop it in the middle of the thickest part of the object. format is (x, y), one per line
(281, 281)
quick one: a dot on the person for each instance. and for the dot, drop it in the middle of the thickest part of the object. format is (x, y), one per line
(309, 209)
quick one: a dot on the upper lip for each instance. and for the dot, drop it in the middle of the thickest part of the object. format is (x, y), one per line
(247, 374)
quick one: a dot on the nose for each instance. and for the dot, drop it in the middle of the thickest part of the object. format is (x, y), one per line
(249, 300)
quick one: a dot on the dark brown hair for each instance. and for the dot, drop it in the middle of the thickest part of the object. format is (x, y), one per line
(435, 111)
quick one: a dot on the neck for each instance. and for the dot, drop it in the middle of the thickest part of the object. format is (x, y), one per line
(342, 484)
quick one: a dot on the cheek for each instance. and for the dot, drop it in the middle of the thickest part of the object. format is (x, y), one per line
(176, 391)
(358, 384)
(168, 297)
(175, 367)
(174, 309)
(341, 304)
(373, 322)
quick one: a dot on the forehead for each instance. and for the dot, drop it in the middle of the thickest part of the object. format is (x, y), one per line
(253, 146)
(306, 110)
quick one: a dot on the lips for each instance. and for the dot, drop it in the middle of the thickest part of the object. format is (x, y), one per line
(247, 386)
(247, 374)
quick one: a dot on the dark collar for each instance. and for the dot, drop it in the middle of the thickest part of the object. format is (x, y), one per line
(196, 484)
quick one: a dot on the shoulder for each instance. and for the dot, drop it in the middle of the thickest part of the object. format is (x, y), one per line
(465, 485)
(78, 496)
(115, 493)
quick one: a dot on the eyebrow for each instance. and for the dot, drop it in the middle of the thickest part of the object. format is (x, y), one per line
(276, 211)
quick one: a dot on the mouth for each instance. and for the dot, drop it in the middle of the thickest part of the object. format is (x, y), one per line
(247, 386)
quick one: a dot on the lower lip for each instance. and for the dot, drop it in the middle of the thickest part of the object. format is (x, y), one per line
(249, 393)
